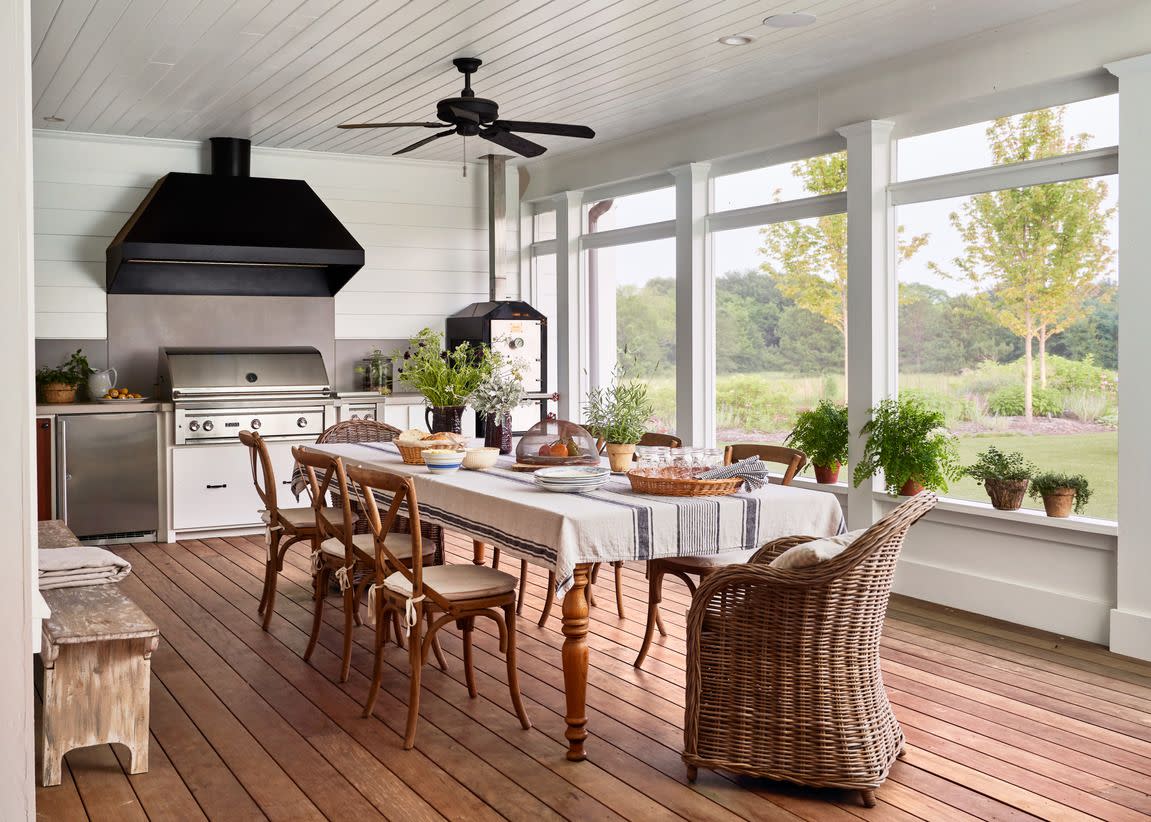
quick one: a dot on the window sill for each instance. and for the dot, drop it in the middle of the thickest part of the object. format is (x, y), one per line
(992, 519)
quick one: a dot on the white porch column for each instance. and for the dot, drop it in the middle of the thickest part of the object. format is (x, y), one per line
(1131, 617)
(871, 292)
(694, 310)
(17, 486)
(571, 308)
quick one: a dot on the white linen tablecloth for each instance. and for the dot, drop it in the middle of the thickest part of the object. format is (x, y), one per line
(559, 531)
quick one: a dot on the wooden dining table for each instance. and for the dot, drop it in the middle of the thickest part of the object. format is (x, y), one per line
(569, 533)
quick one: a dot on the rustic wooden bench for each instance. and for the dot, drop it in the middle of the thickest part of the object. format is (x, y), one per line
(96, 656)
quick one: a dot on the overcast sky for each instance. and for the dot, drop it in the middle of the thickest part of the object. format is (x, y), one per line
(923, 156)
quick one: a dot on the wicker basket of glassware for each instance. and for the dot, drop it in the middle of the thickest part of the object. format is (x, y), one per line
(671, 482)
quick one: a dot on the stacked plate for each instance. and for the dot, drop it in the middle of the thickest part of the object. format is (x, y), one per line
(572, 479)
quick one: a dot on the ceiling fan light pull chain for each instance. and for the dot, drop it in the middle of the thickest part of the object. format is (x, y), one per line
(464, 141)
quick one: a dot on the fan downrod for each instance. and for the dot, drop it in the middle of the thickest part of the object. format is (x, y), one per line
(467, 67)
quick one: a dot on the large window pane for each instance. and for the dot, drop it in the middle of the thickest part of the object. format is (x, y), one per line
(786, 181)
(780, 345)
(632, 294)
(654, 206)
(998, 270)
(544, 225)
(544, 278)
(1079, 126)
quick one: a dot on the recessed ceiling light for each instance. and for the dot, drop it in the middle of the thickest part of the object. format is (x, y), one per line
(736, 40)
(789, 21)
(52, 118)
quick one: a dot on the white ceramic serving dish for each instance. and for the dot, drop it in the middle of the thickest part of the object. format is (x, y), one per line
(478, 459)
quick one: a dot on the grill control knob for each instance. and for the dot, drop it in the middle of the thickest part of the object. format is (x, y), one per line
(256, 424)
(208, 425)
(302, 422)
(193, 426)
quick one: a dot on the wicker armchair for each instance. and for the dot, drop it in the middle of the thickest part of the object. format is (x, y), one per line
(783, 677)
(375, 431)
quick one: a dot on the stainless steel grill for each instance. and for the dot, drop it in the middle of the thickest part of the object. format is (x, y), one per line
(283, 393)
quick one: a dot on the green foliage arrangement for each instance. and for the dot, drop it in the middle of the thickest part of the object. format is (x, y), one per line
(618, 412)
(994, 464)
(1050, 481)
(822, 433)
(498, 394)
(445, 378)
(907, 441)
(73, 371)
(1012, 402)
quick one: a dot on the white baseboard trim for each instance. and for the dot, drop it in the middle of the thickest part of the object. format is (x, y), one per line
(1056, 611)
(239, 531)
(1131, 634)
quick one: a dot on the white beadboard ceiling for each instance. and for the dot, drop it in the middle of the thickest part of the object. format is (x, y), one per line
(285, 72)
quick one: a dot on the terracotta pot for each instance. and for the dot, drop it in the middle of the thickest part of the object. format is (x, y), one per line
(910, 488)
(827, 474)
(619, 456)
(1006, 495)
(1059, 502)
(58, 392)
(447, 418)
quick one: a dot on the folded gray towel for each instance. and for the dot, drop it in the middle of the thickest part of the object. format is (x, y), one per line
(84, 565)
(752, 470)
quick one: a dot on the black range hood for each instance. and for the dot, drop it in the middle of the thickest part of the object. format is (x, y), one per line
(230, 234)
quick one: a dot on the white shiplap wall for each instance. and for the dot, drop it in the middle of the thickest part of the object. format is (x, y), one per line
(422, 225)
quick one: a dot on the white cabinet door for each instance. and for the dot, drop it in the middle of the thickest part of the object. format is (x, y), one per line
(212, 485)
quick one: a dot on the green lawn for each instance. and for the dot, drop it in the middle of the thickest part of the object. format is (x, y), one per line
(1093, 455)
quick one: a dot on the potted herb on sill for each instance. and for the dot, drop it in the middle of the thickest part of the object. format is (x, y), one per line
(1061, 492)
(58, 385)
(907, 441)
(445, 378)
(822, 434)
(495, 397)
(1005, 476)
(617, 414)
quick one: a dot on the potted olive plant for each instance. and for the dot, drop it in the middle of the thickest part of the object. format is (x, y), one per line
(907, 441)
(445, 378)
(617, 414)
(1005, 476)
(58, 385)
(822, 434)
(1061, 492)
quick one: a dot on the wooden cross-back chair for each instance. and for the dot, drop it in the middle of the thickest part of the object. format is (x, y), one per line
(285, 526)
(783, 668)
(685, 568)
(439, 594)
(337, 550)
(352, 431)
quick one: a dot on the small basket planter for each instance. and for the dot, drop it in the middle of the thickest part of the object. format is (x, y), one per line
(1059, 503)
(1006, 495)
(58, 393)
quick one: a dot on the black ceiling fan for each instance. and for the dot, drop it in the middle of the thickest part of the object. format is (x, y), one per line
(471, 116)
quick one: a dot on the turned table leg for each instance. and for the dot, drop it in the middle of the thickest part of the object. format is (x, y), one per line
(477, 552)
(575, 658)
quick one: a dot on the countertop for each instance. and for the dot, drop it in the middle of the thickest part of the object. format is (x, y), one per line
(52, 409)
(53, 533)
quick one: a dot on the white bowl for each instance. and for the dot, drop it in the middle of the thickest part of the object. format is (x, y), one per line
(477, 459)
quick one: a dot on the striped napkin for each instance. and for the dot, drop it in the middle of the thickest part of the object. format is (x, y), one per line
(752, 470)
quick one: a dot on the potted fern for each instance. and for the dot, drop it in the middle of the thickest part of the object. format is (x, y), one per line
(617, 414)
(822, 434)
(1005, 476)
(1061, 492)
(907, 441)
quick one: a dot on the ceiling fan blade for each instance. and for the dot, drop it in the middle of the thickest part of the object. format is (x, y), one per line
(391, 125)
(560, 129)
(513, 142)
(425, 141)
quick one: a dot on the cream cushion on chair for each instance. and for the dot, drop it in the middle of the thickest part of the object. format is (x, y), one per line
(398, 544)
(457, 582)
(306, 517)
(807, 554)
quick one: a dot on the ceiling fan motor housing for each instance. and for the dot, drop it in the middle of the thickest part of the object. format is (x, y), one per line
(483, 111)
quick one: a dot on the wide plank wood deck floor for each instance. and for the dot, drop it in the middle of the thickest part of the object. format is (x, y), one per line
(1002, 722)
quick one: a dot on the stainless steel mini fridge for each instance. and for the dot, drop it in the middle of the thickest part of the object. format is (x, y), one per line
(107, 483)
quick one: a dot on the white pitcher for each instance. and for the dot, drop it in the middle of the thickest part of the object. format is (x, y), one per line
(100, 382)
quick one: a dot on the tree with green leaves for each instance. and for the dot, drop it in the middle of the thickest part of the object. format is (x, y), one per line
(1039, 250)
(808, 259)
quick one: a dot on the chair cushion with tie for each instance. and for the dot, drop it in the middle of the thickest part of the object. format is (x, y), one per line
(457, 582)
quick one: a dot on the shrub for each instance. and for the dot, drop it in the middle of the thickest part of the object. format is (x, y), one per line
(906, 440)
(1087, 405)
(1050, 481)
(994, 464)
(1078, 375)
(1009, 402)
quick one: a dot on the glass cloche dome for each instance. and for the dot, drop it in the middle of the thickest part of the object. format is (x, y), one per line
(557, 442)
